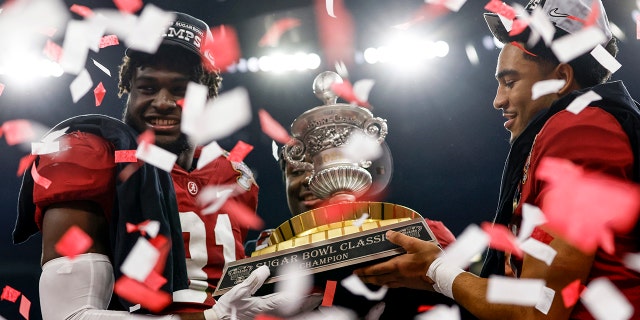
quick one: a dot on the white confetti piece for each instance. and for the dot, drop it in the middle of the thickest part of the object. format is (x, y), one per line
(40, 148)
(54, 135)
(362, 88)
(453, 5)
(357, 287)
(539, 21)
(532, 217)
(274, 150)
(212, 198)
(329, 7)
(539, 250)
(141, 260)
(506, 22)
(471, 242)
(441, 312)
(545, 87)
(151, 228)
(147, 34)
(156, 156)
(362, 147)
(472, 54)
(75, 47)
(573, 45)
(101, 67)
(80, 85)
(209, 153)
(361, 220)
(632, 261)
(295, 285)
(546, 299)
(507, 290)
(606, 59)
(605, 301)
(583, 101)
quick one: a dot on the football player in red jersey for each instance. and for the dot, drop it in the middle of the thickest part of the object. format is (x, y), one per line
(87, 193)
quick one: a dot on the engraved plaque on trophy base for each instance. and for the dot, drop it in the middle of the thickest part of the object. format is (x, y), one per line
(333, 249)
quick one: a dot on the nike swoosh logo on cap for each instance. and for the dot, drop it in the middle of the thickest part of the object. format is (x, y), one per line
(554, 13)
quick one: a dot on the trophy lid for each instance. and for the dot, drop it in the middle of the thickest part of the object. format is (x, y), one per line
(322, 87)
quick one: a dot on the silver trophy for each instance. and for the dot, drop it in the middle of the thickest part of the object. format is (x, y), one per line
(320, 136)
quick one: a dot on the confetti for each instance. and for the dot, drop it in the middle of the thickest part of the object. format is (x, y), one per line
(358, 223)
(243, 214)
(295, 286)
(75, 47)
(453, 5)
(10, 294)
(125, 156)
(140, 261)
(149, 28)
(579, 203)
(545, 87)
(632, 261)
(38, 179)
(151, 227)
(240, 151)
(329, 293)
(127, 171)
(272, 128)
(274, 151)
(501, 8)
(209, 153)
(136, 292)
(148, 136)
(101, 67)
(546, 300)
(73, 242)
(472, 54)
(80, 85)
(224, 50)
(532, 217)
(571, 293)
(128, 6)
(362, 147)
(539, 250)
(277, 29)
(221, 117)
(1, 88)
(25, 163)
(583, 101)
(441, 312)
(539, 21)
(471, 242)
(156, 156)
(211, 198)
(573, 45)
(108, 41)
(25, 307)
(357, 287)
(99, 93)
(52, 51)
(362, 88)
(507, 290)
(335, 32)
(329, 7)
(501, 238)
(82, 11)
(606, 59)
(155, 281)
(40, 148)
(17, 131)
(605, 301)
(345, 91)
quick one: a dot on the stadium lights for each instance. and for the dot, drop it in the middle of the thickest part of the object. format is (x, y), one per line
(23, 66)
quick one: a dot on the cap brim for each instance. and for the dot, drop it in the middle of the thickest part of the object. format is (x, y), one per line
(165, 42)
(496, 27)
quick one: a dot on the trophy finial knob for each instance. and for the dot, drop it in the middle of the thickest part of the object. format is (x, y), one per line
(322, 86)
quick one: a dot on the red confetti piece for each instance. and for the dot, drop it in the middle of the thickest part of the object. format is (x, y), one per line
(571, 293)
(136, 292)
(154, 280)
(336, 35)
(17, 131)
(427, 12)
(48, 31)
(99, 93)
(638, 27)
(272, 128)
(128, 6)
(127, 171)
(38, 179)
(518, 27)
(125, 156)
(519, 46)
(82, 11)
(243, 214)
(345, 91)
(10, 294)
(1, 88)
(329, 293)
(25, 162)
(267, 317)
(424, 308)
(580, 203)
(501, 238)
(223, 50)
(73, 242)
(501, 8)
(25, 307)
(110, 40)
(277, 29)
(240, 151)
(148, 137)
(593, 15)
(180, 103)
(52, 51)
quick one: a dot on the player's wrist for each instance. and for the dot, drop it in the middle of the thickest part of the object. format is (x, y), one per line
(443, 276)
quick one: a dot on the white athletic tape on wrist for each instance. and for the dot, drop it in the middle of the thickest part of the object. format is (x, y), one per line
(210, 314)
(443, 275)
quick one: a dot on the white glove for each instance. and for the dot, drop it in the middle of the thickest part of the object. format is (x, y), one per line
(239, 302)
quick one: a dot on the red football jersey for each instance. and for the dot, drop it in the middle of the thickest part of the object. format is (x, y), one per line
(210, 240)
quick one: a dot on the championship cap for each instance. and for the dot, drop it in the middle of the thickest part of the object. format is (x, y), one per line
(567, 15)
(185, 31)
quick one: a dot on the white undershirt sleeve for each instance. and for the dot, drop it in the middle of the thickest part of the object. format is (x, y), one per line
(81, 288)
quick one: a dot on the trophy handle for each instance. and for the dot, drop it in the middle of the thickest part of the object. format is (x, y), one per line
(376, 127)
(294, 153)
